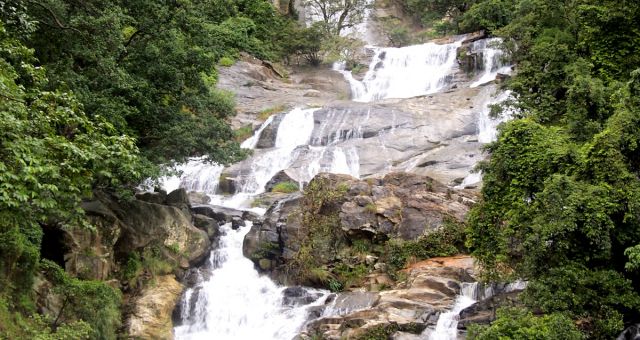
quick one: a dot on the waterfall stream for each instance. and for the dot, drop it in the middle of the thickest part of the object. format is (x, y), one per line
(232, 301)
(237, 303)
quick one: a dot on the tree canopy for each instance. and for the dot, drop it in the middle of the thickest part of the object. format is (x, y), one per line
(562, 185)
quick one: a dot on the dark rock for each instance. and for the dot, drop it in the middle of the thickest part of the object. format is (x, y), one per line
(226, 185)
(269, 133)
(223, 214)
(484, 312)
(280, 177)
(631, 333)
(146, 223)
(299, 296)
(501, 77)
(179, 199)
(208, 224)
(152, 197)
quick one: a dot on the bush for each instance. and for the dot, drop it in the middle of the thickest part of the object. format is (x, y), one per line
(94, 302)
(518, 323)
(286, 187)
(447, 241)
(226, 62)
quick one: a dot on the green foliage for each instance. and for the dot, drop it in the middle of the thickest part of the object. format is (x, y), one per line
(320, 236)
(516, 323)
(336, 15)
(226, 62)
(268, 112)
(243, 133)
(561, 187)
(14, 325)
(79, 301)
(51, 156)
(286, 187)
(386, 331)
(447, 241)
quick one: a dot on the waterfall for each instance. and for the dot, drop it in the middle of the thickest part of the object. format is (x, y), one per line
(231, 300)
(492, 58)
(405, 72)
(235, 302)
(447, 325)
(487, 131)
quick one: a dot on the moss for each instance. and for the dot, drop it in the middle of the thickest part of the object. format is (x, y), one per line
(371, 208)
(286, 187)
(266, 113)
(243, 133)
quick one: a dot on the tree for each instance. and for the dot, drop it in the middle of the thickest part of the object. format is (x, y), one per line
(336, 15)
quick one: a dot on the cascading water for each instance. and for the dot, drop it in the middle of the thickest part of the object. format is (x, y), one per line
(236, 303)
(487, 131)
(493, 60)
(447, 325)
(405, 72)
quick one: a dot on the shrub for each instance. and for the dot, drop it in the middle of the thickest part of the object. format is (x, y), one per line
(286, 187)
(518, 323)
(226, 62)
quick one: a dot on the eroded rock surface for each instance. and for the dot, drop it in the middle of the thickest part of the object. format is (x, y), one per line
(151, 316)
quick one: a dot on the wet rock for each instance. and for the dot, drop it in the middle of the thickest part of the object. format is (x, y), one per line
(199, 197)
(269, 133)
(631, 333)
(280, 177)
(179, 199)
(207, 224)
(484, 312)
(224, 215)
(298, 296)
(145, 223)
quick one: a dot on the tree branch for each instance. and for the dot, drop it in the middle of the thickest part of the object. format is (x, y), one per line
(55, 18)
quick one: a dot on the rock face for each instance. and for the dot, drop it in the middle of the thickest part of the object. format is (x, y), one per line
(430, 288)
(151, 317)
(157, 227)
(400, 205)
(258, 87)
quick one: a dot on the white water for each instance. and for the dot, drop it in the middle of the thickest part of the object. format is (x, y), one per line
(447, 326)
(236, 303)
(405, 72)
(487, 132)
(493, 60)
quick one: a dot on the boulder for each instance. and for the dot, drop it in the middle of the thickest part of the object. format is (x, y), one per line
(152, 197)
(280, 177)
(484, 311)
(269, 133)
(151, 314)
(431, 288)
(179, 198)
(223, 214)
(207, 224)
(199, 198)
(147, 223)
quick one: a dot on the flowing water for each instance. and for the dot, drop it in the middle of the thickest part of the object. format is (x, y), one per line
(233, 301)
(237, 303)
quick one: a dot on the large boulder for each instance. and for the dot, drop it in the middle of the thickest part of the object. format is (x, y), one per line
(397, 206)
(151, 314)
(430, 288)
(148, 223)
(270, 133)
